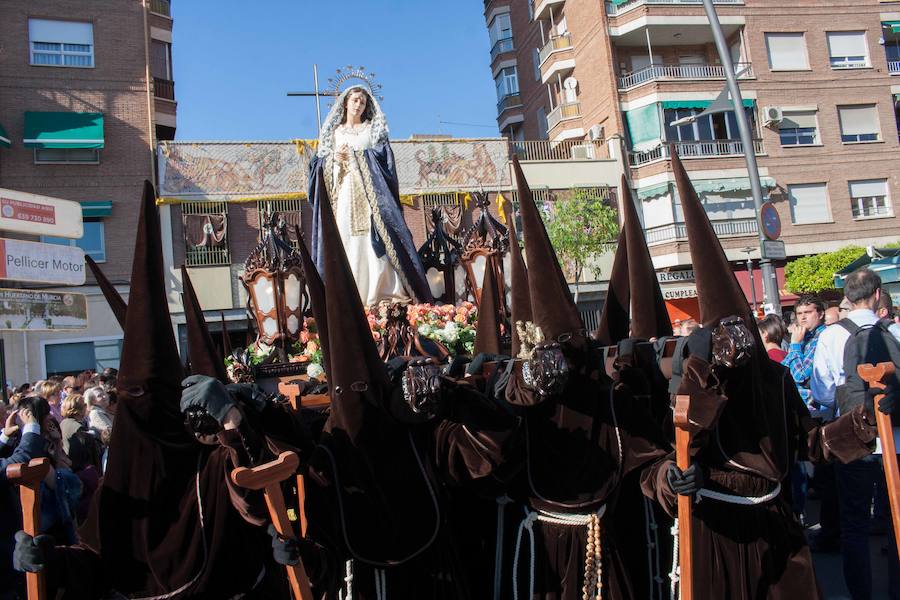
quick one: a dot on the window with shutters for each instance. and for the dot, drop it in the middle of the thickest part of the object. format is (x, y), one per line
(809, 203)
(869, 199)
(289, 209)
(848, 49)
(61, 43)
(787, 52)
(205, 225)
(799, 128)
(859, 123)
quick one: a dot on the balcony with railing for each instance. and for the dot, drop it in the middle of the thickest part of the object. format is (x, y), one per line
(555, 44)
(686, 72)
(563, 112)
(676, 232)
(509, 101)
(894, 67)
(163, 88)
(161, 7)
(541, 8)
(501, 47)
(546, 150)
(695, 149)
(614, 9)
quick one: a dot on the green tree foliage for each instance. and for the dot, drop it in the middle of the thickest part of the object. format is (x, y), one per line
(813, 274)
(581, 225)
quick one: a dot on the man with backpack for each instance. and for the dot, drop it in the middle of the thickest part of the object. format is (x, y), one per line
(860, 337)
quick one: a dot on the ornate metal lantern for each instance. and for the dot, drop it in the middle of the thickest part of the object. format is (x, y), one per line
(484, 245)
(276, 288)
(439, 255)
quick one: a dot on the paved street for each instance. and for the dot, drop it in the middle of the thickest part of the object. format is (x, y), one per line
(830, 573)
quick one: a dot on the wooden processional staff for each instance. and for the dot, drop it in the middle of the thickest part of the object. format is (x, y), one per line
(268, 477)
(685, 532)
(28, 477)
(877, 376)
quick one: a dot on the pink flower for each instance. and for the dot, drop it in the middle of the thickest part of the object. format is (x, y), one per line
(304, 336)
(376, 335)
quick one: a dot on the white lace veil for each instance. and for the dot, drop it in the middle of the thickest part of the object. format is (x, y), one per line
(379, 126)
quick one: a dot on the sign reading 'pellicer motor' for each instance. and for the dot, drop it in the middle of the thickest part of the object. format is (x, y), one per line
(42, 263)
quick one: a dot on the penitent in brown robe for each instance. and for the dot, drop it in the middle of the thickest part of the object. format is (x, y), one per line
(165, 520)
(375, 479)
(749, 428)
(579, 445)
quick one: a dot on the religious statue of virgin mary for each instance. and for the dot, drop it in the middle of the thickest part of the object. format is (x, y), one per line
(361, 179)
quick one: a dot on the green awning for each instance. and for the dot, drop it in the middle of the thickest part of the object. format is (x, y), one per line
(893, 25)
(748, 103)
(4, 137)
(707, 186)
(654, 190)
(100, 208)
(732, 184)
(643, 127)
(63, 130)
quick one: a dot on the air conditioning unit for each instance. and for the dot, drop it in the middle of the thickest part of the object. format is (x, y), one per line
(772, 115)
(583, 152)
(596, 132)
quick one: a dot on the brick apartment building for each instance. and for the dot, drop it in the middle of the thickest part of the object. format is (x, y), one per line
(820, 82)
(85, 91)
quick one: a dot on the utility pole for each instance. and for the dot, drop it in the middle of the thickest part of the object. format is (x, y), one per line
(770, 284)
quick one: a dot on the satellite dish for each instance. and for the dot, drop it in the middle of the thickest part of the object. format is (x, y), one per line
(570, 83)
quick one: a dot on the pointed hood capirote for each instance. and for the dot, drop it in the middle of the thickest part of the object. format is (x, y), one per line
(202, 353)
(634, 304)
(649, 317)
(355, 363)
(520, 292)
(552, 306)
(614, 318)
(718, 292)
(487, 332)
(144, 544)
(113, 298)
(381, 498)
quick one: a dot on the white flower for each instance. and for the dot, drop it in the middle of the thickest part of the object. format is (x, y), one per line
(450, 332)
(315, 370)
(425, 329)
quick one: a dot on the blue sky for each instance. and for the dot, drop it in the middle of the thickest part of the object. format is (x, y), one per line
(235, 61)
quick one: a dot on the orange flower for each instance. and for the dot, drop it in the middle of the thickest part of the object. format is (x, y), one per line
(312, 347)
(304, 336)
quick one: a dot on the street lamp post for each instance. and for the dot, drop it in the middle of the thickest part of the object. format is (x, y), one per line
(770, 284)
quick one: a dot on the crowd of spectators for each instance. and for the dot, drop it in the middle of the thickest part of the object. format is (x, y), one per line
(811, 343)
(69, 421)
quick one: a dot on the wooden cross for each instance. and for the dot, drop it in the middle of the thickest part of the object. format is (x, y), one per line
(28, 477)
(685, 532)
(268, 477)
(877, 376)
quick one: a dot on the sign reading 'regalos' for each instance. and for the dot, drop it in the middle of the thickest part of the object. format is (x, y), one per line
(39, 215)
(41, 263)
(32, 310)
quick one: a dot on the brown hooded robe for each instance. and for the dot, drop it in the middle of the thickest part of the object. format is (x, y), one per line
(750, 428)
(579, 445)
(165, 520)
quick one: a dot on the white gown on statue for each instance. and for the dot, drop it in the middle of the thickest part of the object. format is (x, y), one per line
(376, 279)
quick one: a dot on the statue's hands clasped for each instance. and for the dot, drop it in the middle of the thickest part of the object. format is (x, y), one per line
(547, 371)
(343, 153)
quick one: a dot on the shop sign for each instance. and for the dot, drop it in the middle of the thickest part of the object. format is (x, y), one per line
(32, 310)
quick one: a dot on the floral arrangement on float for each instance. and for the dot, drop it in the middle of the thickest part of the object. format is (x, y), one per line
(306, 351)
(451, 326)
